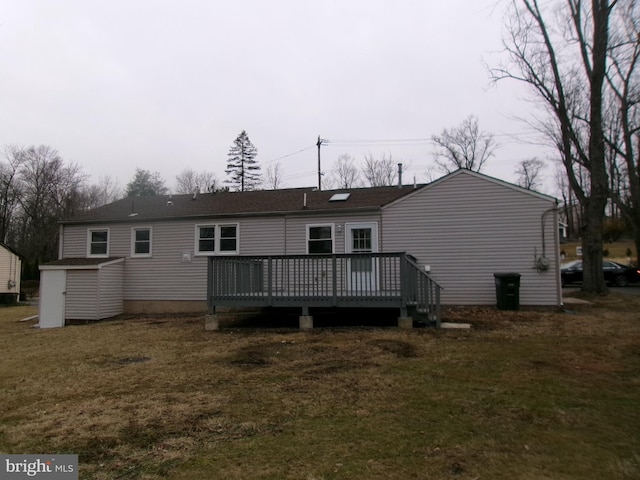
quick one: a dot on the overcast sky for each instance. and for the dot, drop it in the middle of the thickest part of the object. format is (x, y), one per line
(164, 85)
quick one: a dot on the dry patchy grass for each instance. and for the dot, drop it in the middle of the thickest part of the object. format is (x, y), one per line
(528, 395)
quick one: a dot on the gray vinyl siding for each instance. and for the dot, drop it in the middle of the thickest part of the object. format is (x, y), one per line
(174, 272)
(296, 230)
(94, 293)
(111, 290)
(74, 241)
(467, 228)
(82, 297)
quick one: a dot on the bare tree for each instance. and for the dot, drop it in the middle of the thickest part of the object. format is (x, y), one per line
(50, 191)
(105, 191)
(9, 189)
(465, 146)
(189, 181)
(432, 173)
(622, 119)
(561, 53)
(571, 212)
(273, 176)
(344, 173)
(380, 172)
(529, 173)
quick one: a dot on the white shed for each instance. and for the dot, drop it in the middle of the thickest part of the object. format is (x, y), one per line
(10, 270)
(86, 289)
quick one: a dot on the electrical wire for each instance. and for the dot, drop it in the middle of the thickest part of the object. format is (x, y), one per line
(290, 154)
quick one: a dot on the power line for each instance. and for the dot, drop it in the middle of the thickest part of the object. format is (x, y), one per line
(379, 142)
(289, 154)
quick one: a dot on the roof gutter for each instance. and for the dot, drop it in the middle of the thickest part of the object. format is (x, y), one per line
(306, 212)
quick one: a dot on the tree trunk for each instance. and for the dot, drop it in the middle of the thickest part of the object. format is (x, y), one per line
(592, 246)
(596, 204)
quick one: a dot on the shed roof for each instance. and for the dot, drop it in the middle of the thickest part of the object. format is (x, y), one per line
(259, 202)
(80, 263)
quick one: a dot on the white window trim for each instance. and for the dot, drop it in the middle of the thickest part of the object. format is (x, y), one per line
(101, 255)
(196, 247)
(133, 242)
(216, 244)
(333, 236)
(374, 235)
(219, 238)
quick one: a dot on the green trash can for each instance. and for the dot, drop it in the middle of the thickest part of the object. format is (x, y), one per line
(507, 290)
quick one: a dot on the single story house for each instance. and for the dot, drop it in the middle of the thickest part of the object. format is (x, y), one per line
(10, 272)
(305, 247)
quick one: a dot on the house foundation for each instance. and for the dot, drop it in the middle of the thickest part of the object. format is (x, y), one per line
(165, 307)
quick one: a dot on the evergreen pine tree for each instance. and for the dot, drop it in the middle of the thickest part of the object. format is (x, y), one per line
(242, 167)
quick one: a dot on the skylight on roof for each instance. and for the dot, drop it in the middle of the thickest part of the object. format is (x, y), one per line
(339, 197)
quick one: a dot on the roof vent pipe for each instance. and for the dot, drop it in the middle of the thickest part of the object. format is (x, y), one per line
(196, 192)
(400, 175)
(304, 200)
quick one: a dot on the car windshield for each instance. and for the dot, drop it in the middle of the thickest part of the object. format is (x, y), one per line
(576, 264)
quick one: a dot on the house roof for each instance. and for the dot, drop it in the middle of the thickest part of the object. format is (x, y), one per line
(465, 171)
(259, 202)
(4, 245)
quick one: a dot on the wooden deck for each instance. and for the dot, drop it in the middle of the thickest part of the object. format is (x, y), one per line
(369, 280)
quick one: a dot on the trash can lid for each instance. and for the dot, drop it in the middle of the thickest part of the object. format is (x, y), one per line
(500, 275)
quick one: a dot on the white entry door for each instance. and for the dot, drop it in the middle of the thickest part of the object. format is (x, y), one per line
(362, 273)
(53, 284)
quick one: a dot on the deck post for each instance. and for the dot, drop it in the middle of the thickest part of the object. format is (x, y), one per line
(270, 279)
(305, 321)
(211, 322)
(405, 322)
(211, 309)
(334, 266)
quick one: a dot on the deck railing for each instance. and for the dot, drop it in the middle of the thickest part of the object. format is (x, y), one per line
(337, 280)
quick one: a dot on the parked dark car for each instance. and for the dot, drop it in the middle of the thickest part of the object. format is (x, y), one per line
(615, 274)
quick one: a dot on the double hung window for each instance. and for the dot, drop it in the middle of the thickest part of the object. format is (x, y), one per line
(98, 243)
(141, 242)
(320, 238)
(217, 239)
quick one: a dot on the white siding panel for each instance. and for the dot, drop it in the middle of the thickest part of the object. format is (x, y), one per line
(296, 230)
(173, 272)
(10, 270)
(111, 278)
(82, 295)
(74, 241)
(262, 236)
(165, 275)
(467, 228)
(5, 261)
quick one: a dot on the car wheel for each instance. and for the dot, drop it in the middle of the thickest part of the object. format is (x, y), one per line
(622, 281)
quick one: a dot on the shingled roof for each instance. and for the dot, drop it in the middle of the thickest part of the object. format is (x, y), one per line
(259, 202)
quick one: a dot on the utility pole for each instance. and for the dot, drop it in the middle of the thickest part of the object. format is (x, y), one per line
(320, 142)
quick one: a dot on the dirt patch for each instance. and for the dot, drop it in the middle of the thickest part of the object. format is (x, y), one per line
(130, 360)
(397, 347)
(510, 398)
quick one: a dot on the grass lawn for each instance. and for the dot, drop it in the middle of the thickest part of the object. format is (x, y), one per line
(523, 395)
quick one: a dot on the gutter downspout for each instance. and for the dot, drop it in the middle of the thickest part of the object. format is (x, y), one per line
(556, 236)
